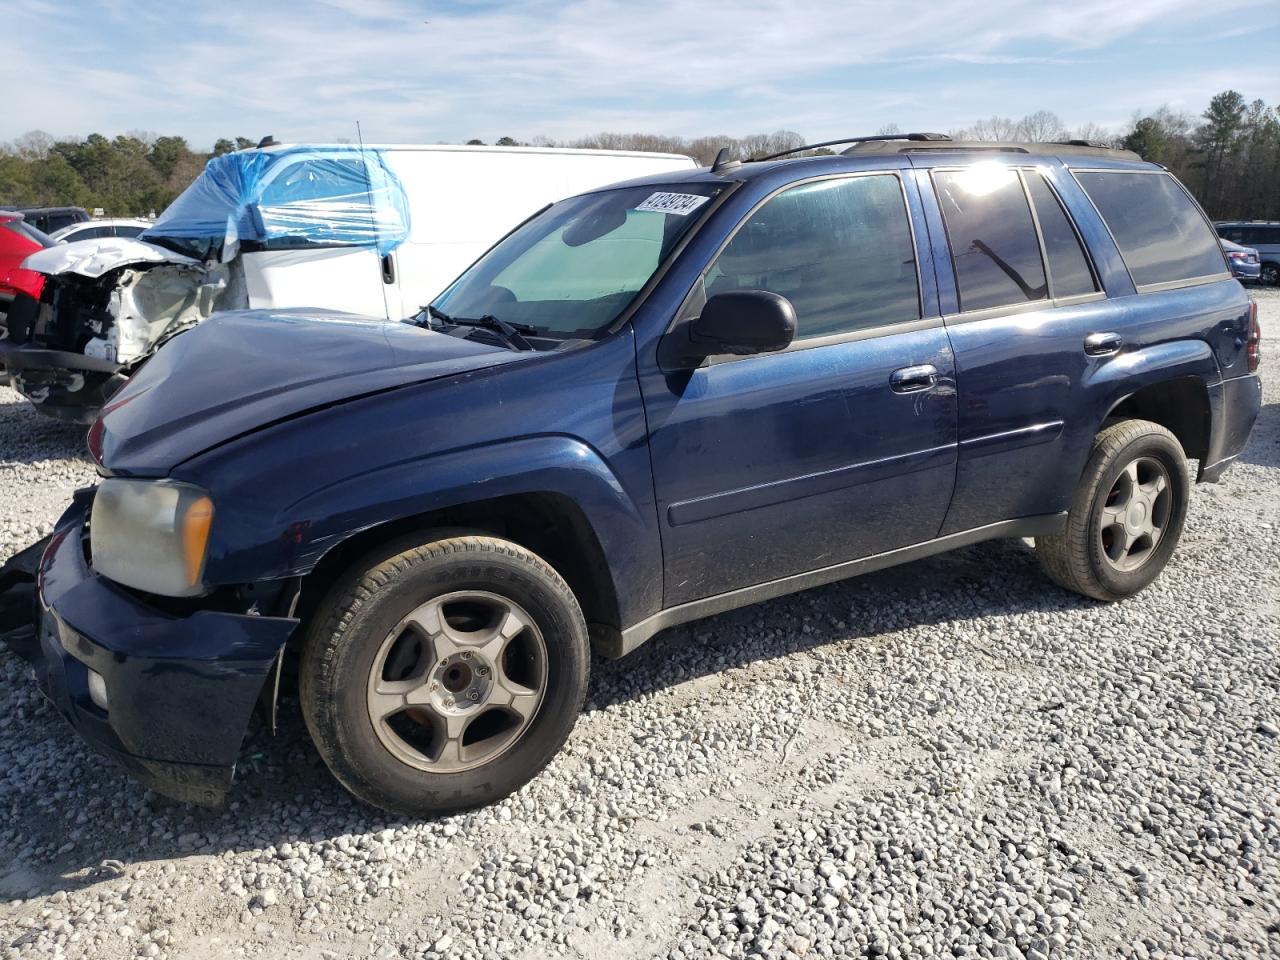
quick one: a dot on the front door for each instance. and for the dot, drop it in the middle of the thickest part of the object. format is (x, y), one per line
(841, 446)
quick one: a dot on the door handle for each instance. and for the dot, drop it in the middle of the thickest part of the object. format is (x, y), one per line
(914, 379)
(1103, 344)
(388, 269)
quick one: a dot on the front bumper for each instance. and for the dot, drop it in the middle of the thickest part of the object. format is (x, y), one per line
(62, 384)
(180, 689)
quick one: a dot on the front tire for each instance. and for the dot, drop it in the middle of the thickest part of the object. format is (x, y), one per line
(1127, 514)
(444, 675)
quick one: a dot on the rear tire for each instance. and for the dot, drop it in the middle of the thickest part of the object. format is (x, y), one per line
(1270, 275)
(1127, 514)
(444, 675)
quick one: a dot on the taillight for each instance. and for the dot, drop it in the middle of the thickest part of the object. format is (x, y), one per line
(1253, 346)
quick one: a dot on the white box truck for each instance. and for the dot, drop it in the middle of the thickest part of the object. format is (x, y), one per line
(376, 230)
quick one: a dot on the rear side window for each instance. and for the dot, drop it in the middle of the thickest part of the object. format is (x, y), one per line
(993, 239)
(1069, 271)
(1261, 236)
(1161, 234)
(840, 250)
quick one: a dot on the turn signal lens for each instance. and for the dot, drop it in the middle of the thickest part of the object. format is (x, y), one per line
(195, 536)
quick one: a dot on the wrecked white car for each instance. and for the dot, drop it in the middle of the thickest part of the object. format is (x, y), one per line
(109, 304)
(369, 230)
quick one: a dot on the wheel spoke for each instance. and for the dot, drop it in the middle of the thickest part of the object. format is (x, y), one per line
(1157, 486)
(387, 698)
(1112, 516)
(429, 618)
(1131, 471)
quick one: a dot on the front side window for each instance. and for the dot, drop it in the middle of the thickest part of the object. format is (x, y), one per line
(993, 240)
(1161, 234)
(840, 250)
(1069, 272)
(574, 268)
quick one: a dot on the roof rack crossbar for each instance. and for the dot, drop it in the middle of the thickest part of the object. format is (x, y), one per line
(832, 143)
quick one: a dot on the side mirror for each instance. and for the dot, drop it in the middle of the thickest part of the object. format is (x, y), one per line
(747, 322)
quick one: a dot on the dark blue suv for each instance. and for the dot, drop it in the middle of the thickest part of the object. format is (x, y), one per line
(650, 403)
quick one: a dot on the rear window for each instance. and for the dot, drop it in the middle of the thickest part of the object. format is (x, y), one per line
(993, 240)
(1162, 235)
(24, 229)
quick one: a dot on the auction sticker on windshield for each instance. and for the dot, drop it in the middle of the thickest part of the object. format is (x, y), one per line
(681, 204)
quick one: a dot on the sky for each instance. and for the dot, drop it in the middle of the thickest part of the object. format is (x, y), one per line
(426, 71)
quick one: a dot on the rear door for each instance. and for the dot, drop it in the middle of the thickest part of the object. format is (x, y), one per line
(1018, 329)
(841, 446)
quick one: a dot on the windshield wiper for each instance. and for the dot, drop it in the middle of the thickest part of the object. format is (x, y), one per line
(511, 334)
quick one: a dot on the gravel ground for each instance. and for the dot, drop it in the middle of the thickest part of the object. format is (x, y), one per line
(952, 758)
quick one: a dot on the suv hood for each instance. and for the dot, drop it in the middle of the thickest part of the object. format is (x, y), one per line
(93, 258)
(241, 371)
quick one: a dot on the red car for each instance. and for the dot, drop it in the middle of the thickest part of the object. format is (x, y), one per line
(18, 240)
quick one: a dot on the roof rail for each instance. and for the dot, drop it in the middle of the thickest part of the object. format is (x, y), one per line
(1075, 148)
(832, 143)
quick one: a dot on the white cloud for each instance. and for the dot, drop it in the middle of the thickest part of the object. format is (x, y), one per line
(419, 71)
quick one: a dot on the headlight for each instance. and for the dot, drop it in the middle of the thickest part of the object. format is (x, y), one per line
(151, 535)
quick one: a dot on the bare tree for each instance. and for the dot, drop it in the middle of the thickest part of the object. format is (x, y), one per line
(1043, 126)
(992, 128)
(33, 145)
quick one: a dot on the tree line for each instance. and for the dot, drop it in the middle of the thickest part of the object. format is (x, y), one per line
(1228, 156)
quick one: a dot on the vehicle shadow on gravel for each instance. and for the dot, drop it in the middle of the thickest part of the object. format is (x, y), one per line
(282, 785)
(30, 437)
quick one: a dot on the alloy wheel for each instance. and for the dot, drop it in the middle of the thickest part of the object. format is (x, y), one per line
(1132, 521)
(457, 682)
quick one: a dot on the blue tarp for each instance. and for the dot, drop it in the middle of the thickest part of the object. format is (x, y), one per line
(331, 195)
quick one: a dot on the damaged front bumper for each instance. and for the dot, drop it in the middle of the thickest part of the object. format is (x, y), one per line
(168, 697)
(65, 385)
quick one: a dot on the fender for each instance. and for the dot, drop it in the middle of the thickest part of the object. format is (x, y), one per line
(1118, 379)
(563, 465)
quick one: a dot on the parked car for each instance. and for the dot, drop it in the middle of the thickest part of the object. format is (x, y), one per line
(649, 403)
(101, 229)
(1261, 235)
(50, 219)
(1243, 261)
(370, 230)
(18, 240)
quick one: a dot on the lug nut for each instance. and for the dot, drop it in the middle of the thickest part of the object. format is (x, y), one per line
(483, 671)
(473, 695)
(435, 687)
(448, 701)
(466, 654)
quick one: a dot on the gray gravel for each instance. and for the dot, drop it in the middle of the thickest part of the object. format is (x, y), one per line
(954, 758)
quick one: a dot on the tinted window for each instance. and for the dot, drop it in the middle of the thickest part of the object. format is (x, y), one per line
(993, 240)
(25, 229)
(127, 231)
(1159, 230)
(1253, 236)
(1069, 273)
(839, 250)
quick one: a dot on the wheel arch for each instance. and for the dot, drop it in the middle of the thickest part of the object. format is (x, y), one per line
(547, 523)
(1180, 404)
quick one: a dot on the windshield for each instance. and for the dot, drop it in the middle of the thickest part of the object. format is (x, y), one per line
(574, 268)
(301, 196)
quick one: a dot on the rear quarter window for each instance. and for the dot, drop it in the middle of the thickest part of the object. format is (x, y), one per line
(1162, 235)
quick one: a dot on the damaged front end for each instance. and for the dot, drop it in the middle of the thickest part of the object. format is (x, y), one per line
(106, 307)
